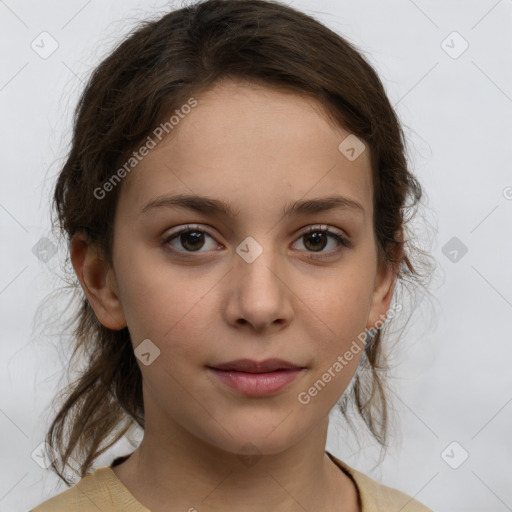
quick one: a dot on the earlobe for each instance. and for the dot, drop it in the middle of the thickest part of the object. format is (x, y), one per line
(98, 281)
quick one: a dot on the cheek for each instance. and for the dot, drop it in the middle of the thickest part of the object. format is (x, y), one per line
(344, 302)
(339, 341)
(164, 305)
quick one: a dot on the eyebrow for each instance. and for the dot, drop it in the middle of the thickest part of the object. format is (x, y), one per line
(204, 204)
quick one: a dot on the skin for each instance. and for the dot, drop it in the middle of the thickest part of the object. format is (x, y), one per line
(258, 149)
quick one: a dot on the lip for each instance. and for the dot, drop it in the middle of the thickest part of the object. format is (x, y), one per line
(253, 378)
(251, 366)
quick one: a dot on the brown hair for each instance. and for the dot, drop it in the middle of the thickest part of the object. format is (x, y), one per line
(152, 72)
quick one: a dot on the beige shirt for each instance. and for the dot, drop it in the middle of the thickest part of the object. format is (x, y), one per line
(102, 490)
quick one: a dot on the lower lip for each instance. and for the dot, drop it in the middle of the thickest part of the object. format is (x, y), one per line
(256, 384)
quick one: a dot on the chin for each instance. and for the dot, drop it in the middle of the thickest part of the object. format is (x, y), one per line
(257, 438)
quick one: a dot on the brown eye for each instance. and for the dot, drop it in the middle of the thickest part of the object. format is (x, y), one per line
(317, 238)
(189, 240)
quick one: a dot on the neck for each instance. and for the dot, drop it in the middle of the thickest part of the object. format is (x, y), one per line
(191, 474)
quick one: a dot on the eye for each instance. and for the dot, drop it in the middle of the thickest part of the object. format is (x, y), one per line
(317, 238)
(189, 237)
(192, 239)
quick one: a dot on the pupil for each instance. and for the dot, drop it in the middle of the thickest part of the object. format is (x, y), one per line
(316, 236)
(192, 236)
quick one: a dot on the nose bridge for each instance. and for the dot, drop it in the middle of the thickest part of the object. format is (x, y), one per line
(258, 262)
(260, 296)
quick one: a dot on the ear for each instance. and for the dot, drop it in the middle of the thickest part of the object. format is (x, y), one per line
(385, 281)
(98, 281)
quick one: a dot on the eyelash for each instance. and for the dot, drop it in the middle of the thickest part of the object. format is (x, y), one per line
(312, 229)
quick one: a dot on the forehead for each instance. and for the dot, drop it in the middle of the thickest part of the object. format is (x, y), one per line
(252, 146)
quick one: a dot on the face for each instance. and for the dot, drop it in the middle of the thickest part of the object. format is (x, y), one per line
(253, 283)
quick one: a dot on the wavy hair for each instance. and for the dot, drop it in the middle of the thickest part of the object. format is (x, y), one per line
(152, 72)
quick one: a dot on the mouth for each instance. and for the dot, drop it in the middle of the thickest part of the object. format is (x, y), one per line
(253, 378)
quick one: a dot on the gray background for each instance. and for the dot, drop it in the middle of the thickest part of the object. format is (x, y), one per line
(452, 379)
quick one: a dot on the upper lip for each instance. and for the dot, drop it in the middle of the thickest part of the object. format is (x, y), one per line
(250, 366)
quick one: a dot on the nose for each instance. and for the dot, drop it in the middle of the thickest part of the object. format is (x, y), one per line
(258, 294)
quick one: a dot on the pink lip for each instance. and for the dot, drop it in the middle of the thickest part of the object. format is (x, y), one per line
(254, 378)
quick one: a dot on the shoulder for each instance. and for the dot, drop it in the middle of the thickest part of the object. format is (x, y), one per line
(99, 491)
(376, 497)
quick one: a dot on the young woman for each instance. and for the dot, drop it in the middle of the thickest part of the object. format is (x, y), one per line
(234, 204)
